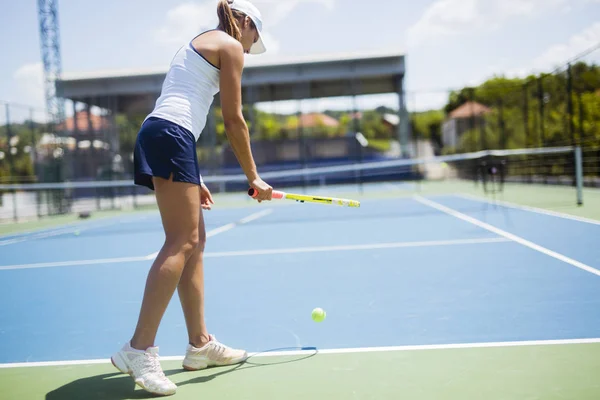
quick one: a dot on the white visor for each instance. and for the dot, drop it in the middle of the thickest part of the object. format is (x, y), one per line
(251, 11)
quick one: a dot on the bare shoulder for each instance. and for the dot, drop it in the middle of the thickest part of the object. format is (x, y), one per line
(230, 46)
(231, 53)
(216, 46)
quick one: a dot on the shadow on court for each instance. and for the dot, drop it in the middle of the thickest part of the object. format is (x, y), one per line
(118, 386)
(100, 387)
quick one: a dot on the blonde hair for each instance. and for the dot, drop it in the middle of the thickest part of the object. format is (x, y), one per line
(230, 19)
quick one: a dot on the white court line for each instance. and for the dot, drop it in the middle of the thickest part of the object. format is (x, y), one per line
(255, 216)
(338, 351)
(74, 263)
(228, 227)
(507, 235)
(373, 246)
(528, 208)
(36, 236)
(210, 233)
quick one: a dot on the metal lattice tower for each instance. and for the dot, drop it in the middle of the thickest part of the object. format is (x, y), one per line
(50, 46)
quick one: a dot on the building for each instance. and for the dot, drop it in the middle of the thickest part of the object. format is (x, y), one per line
(470, 115)
(135, 92)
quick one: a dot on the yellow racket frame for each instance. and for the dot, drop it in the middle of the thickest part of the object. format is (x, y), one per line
(336, 201)
(321, 200)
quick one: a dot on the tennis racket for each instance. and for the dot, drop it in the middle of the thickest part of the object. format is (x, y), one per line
(277, 194)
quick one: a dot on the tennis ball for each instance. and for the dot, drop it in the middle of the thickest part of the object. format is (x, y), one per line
(318, 314)
(76, 233)
(444, 165)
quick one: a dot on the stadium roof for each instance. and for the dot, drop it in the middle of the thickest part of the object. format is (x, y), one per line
(250, 62)
(264, 79)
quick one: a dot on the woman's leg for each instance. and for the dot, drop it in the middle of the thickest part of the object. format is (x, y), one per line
(179, 205)
(203, 349)
(191, 291)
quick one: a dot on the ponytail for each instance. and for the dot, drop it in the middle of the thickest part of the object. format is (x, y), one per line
(228, 19)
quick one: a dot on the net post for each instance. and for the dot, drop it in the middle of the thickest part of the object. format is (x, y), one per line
(579, 175)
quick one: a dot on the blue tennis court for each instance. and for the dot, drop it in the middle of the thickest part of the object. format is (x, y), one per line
(411, 271)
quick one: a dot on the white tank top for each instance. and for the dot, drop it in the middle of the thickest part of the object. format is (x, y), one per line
(188, 91)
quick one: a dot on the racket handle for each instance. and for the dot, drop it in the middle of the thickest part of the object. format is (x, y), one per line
(275, 194)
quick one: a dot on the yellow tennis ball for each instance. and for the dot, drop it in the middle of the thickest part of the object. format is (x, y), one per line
(318, 314)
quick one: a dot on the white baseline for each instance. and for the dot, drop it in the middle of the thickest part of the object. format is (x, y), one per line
(309, 351)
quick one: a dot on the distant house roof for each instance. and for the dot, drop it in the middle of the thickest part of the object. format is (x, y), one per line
(98, 122)
(315, 120)
(469, 109)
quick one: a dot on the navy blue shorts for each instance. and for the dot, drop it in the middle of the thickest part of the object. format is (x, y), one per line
(162, 149)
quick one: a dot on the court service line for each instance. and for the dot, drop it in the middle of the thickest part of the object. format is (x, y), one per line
(507, 235)
(313, 350)
(529, 208)
(373, 246)
(213, 232)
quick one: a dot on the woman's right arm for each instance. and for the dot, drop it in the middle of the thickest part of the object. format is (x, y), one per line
(232, 65)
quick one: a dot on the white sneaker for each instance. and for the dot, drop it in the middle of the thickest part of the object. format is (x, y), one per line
(212, 354)
(144, 368)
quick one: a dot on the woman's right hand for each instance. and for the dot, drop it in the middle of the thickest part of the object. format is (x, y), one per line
(265, 192)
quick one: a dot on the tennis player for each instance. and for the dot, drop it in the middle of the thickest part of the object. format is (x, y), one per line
(166, 162)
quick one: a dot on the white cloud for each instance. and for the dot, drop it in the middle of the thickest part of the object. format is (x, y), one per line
(26, 92)
(558, 54)
(30, 84)
(454, 17)
(276, 11)
(443, 17)
(187, 19)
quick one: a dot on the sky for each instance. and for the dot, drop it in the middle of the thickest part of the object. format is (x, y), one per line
(447, 43)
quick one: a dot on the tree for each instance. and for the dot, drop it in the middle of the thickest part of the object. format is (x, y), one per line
(269, 126)
(128, 127)
(428, 125)
(16, 162)
(372, 125)
(532, 111)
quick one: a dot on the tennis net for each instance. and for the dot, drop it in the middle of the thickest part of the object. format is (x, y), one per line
(485, 171)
